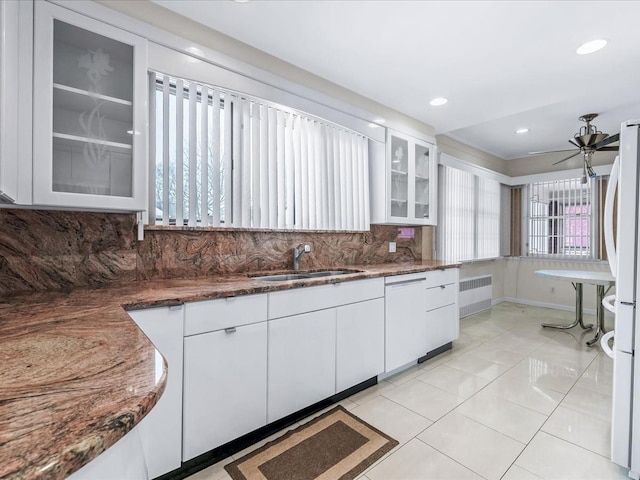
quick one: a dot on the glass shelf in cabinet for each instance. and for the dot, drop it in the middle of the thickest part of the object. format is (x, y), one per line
(63, 138)
(76, 100)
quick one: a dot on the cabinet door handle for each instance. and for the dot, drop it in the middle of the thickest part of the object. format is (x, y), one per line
(405, 282)
(230, 330)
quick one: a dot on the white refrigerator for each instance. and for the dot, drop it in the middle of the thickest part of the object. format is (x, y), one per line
(624, 259)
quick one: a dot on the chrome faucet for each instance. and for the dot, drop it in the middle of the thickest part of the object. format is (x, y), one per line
(298, 252)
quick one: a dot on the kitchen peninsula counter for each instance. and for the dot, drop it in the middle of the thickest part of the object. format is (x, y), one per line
(77, 374)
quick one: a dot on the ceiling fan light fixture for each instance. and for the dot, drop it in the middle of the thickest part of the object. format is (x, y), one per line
(437, 102)
(591, 47)
(522, 131)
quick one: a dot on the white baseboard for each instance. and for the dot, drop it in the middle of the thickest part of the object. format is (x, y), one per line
(555, 306)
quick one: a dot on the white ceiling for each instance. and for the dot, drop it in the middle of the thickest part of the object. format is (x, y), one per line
(502, 64)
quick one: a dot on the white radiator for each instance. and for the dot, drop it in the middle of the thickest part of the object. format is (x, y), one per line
(475, 294)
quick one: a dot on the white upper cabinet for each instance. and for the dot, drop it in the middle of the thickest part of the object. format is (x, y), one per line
(89, 113)
(16, 19)
(403, 182)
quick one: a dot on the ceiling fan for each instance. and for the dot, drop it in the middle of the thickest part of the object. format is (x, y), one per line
(588, 140)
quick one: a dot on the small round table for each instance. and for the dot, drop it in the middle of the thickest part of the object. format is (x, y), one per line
(577, 278)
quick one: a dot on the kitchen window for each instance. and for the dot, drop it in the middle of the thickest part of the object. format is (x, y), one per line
(244, 162)
(562, 218)
(469, 216)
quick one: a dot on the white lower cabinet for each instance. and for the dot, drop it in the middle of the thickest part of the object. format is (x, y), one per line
(302, 356)
(442, 327)
(161, 430)
(405, 327)
(225, 386)
(254, 359)
(443, 316)
(359, 342)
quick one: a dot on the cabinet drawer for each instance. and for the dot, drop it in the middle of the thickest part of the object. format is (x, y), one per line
(211, 315)
(435, 278)
(441, 296)
(299, 300)
(442, 327)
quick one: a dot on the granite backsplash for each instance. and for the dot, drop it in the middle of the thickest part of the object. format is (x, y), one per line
(45, 249)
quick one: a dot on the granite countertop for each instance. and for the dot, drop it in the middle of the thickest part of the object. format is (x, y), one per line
(77, 373)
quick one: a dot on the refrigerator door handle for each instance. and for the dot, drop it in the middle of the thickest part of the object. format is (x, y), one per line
(604, 343)
(609, 302)
(608, 216)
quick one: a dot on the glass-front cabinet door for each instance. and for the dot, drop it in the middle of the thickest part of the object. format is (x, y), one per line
(411, 182)
(421, 177)
(399, 170)
(89, 112)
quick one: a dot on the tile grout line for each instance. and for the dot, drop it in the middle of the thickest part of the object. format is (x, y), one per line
(548, 417)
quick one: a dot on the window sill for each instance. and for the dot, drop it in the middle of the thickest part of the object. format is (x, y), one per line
(561, 259)
(186, 228)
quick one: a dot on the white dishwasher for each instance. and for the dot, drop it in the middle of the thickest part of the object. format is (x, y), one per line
(405, 319)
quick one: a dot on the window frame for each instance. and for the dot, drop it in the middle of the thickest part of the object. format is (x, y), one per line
(594, 198)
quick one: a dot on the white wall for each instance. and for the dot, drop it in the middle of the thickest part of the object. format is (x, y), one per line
(544, 163)
(522, 285)
(514, 280)
(470, 154)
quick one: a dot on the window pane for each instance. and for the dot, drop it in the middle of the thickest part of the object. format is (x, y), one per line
(559, 220)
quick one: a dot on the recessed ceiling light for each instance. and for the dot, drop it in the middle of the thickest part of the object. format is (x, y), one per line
(379, 120)
(436, 102)
(522, 130)
(242, 1)
(373, 125)
(590, 47)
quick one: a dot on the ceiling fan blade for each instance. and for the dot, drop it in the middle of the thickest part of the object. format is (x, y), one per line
(609, 149)
(607, 141)
(573, 142)
(550, 151)
(565, 159)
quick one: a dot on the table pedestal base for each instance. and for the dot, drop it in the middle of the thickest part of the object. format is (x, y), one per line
(600, 292)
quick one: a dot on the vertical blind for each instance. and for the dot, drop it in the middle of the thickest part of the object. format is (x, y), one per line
(469, 217)
(242, 162)
(561, 220)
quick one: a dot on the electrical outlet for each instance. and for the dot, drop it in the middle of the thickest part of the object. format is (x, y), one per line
(392, 247)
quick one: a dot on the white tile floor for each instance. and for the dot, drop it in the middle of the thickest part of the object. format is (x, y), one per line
(511, 401)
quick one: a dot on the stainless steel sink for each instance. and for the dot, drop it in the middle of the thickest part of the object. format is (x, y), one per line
(329, 273)
(283, 278)
(303, 275)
